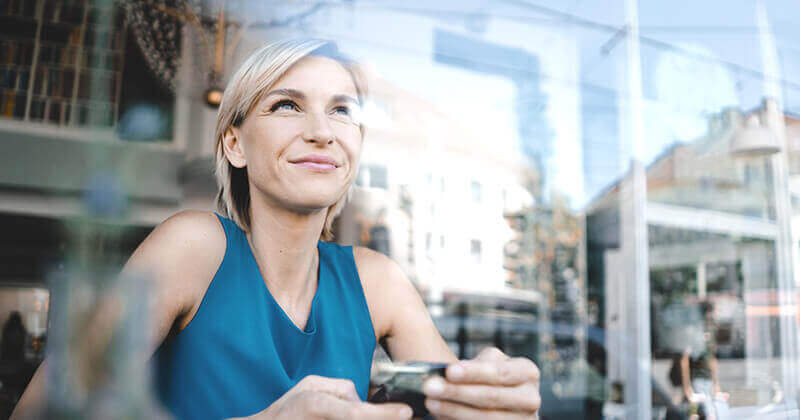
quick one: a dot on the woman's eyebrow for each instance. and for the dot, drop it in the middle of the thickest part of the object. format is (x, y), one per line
(292, 93)
(345, 98)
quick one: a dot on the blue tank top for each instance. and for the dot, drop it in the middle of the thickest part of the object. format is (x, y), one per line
(241, 352)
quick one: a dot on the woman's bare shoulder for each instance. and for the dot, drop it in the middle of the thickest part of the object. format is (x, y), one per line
(186, 236)
(386, 287)
(376, 267)
(182, 254)
(196, 228)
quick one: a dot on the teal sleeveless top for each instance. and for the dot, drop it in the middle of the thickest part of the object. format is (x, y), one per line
(241, 352)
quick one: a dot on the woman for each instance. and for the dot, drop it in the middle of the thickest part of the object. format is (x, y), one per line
(256, 316)
(698, 369)
(13, 338)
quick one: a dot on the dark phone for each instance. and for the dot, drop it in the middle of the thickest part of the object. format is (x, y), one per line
(416, 400)
(405, 385)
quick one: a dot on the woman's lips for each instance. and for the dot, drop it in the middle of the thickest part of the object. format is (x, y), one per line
(320, 167)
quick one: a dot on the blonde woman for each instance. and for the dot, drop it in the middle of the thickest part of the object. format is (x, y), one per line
(258, 317)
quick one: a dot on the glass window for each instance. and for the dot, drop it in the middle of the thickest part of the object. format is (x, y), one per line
(475, 250)
(428, 241)
(372, 176)
(377, 177)
(476, 191)
(617, 183)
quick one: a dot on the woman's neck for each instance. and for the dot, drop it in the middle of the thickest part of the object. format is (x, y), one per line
(284, 244)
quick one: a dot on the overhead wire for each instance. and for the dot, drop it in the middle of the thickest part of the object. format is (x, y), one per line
(571, 19)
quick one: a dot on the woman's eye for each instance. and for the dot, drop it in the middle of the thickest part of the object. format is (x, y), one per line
(342, 110)
(284, 105)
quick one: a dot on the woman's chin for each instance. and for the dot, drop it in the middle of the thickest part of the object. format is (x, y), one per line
(312, 205)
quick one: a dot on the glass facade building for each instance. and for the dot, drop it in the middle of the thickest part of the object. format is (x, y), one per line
(611, 189)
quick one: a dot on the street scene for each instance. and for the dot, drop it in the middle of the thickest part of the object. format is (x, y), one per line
(610, 191)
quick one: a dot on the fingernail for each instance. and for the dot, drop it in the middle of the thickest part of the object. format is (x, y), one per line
(455, 371)
(432, 405)
(405, 412)
(433, 386)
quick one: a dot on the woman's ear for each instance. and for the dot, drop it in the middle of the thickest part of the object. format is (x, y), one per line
(232, 145)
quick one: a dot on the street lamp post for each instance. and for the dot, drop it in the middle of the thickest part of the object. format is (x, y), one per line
(764, 137)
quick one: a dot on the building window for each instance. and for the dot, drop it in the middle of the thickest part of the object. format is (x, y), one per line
(706, 183)
(65, 66)
(362, 177)
(428, 239)
(145, 108)
(372, 176)
(475, 250)
(476, 191)
(441, 241)
(378, 177)
(59, 67)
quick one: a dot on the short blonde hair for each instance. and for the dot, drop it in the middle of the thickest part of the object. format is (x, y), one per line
(245, 89)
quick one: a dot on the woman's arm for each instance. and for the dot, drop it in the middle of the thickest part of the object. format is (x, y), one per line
(712, 365)
(686, 382)
(180, 256)
(398, 313)
(492, 385)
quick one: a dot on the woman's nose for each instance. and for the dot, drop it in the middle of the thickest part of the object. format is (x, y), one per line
(318, 129)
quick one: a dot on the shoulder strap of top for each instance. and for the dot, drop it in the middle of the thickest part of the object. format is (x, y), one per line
(231, 231)
(340, 259)
(341, 264)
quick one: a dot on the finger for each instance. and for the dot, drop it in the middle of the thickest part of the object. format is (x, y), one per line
(510, 372)
(342, 388)
(518, 398)
(346, 410)
(446, 409)
(491, 354)
(368, 411)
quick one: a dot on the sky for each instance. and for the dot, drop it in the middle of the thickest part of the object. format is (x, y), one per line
(696, 59)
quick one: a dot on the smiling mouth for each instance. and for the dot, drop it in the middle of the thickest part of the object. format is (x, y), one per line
(316, 166)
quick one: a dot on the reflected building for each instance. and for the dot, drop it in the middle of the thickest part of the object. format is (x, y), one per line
(547, 254)
(712, 234)
(86, 128)
(85, 110)
(486, 128)
(470, 196)
(418, 178)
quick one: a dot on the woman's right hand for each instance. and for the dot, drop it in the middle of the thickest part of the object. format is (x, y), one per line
(317, 397)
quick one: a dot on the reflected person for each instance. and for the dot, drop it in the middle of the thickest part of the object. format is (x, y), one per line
(257, 315)
(14, 337)
(699, 379)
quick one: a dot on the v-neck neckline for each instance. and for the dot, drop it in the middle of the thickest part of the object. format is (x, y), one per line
(311, 325)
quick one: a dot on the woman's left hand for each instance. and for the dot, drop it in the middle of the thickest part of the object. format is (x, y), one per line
(490, 386)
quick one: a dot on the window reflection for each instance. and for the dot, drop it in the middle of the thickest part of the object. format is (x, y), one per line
(502, 147)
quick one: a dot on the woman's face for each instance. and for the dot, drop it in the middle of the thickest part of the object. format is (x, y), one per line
(301, 143)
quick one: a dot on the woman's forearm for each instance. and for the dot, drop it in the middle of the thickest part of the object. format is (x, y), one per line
(712, 364)
(686, 377)
(33, 398)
